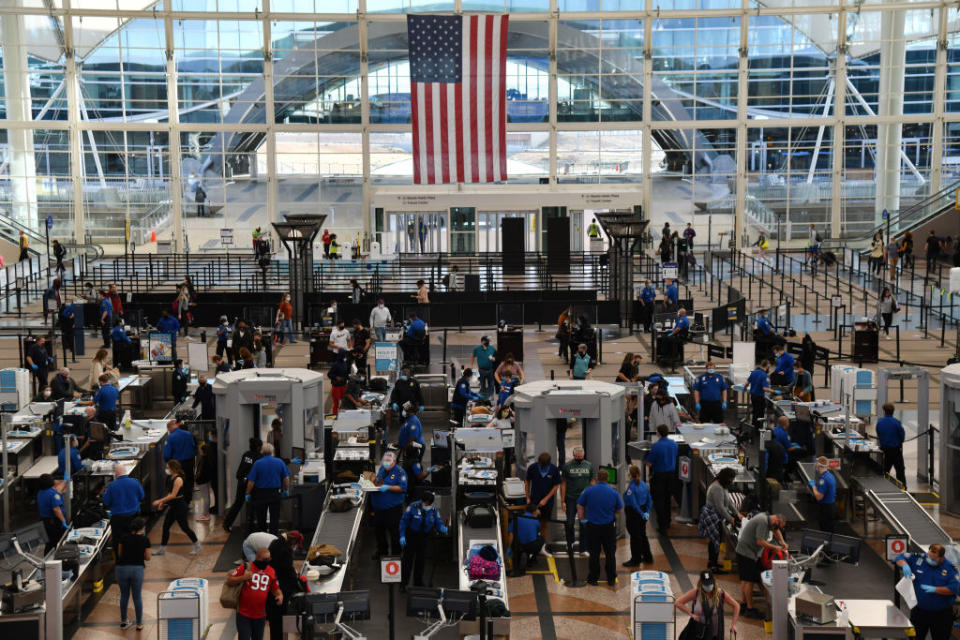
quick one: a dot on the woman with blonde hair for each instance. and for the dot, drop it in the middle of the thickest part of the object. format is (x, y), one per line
(706, 612)
(99, 366)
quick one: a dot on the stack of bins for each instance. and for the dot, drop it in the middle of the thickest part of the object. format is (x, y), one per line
(652, 615)
(184, 609)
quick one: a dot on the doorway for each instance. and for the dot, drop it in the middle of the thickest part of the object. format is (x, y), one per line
(489, 224)
(420, 232)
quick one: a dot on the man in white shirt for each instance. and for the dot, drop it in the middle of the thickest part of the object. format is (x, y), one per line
(339, 338)
(379, 319)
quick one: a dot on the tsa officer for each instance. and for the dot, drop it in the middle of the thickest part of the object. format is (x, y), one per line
(419, 520)
(268, 482)
(662, 460)
(50, 506)
(891, 435)
(75, 462)
(783, 374)
(122, 497)
(462, 395)
(411, 430)
(759, 384)
(599, 505)
(672, 294)
(106, 399)
(648, 297)
(824, 488)
(935, 583)
(710, 395)
(763, 325)
(387, 504)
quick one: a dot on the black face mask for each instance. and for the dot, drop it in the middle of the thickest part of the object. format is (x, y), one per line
(261, 564)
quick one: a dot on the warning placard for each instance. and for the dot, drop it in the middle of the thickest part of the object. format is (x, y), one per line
(896, 544)
(685, 469)
(389, 570)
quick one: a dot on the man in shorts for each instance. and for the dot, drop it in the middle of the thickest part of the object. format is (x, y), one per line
(753, 539)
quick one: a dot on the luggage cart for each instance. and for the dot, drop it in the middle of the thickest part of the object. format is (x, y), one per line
(178, 615)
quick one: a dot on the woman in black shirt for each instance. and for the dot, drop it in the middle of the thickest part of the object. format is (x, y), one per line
(132, 551)
(629, 368)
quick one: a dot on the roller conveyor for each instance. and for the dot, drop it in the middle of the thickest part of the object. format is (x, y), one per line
(902, 512)
(469, 536)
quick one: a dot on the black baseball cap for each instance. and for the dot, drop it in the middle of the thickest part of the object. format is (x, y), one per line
(706, 578)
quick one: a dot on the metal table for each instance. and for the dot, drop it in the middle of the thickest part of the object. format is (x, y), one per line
(876, 619)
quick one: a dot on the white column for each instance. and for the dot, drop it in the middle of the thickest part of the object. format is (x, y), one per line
(892, 58)
(554, 17)
(273, 214)
(838, 134)
(939, 96)
(75, 138)
(740, 207)
(646, 151)
(173, 135)
(366, 200)
(23, 168)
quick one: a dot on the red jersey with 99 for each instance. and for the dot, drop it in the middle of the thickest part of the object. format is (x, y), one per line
(253, 595)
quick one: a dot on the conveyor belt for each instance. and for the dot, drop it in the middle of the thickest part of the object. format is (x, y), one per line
(483, 535)
(340, 531)
(902, 512)
(808, 470)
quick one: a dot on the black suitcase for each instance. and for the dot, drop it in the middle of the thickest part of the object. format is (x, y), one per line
(69, 555)
(479, 516)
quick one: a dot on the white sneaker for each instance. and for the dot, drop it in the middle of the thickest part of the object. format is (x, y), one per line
(196, 549)
(159, 552)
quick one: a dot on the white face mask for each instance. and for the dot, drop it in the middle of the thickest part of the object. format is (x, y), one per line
(167, 471)
(46, 394)
(711, 370)
(387, 464)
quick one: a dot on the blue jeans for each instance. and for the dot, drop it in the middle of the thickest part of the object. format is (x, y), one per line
(250, 628)
(381, 333)
(486, 382)
(286, 327)
(130, 580)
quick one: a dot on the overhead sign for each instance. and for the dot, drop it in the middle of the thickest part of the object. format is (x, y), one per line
(684, 468)
(389, 570)
(896, 544)
(49, 222)
(569, 413)
(669, 270)
(226, 236)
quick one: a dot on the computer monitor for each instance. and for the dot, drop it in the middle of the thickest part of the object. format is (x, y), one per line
(298, 452)
(460, 604)
(611, 474)
(812, 539)
(845, 548)
(423, 601)
(803, 413)
(322, 606)
(356, 604)
(32, 536)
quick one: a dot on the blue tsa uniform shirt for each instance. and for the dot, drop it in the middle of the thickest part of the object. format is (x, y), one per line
(75, 462)
(942, 575)
(648, 295)
(758, 381)
(383, 500)
(827, 485)
(673, 293)
(529, 528)
(411, 430)
(179, 446)
(123, 496)
(106, 398)
(711, 387)
(890, 433)
(785, 366)
(421, 519)
(47, 500)
(637, 497)
(268, 473)
(764, 326)
(663, 456)
(600, 503)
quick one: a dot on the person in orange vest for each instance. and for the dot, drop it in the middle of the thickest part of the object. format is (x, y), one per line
(24, 246)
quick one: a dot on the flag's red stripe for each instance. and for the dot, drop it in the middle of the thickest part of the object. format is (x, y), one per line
(488, 96)
(415, 119)
(504, 22)
(444, 142)
(428, 124)
(474, 143)
(460, 124)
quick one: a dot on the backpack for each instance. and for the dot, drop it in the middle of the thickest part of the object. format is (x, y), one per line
(769, 555)
(479, 516)
(481, 569)
(819, 238)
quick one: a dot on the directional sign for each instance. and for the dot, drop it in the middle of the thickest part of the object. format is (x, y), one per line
(389, 570)
(226, 236)
(669, 270)
(49, 222)
(685, 469)
(896, 544)
(885, 214)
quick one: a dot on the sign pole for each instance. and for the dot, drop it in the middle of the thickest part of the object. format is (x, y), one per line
(392, 613)
(390, 573)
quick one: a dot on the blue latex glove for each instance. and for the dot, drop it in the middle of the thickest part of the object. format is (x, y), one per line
(421, 408)
(50, 360)
(907, 571)
(812, 483)
(443, 529)
(65, 525)
(777, 392)
(296, 461)
(645, 514)
(403, 541)
(723, 405)
(109, 513)
(697, 406)
(395, 407)
(34, 367)
(247, 497)
(928, 588)
(285, 493)
(433, 469)
(383, 488)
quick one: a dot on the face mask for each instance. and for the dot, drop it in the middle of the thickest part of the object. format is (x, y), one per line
(387, 464)
(167, 471)
(931, 561)
(711, 371)
(261, 564)
(46, 394)
(401, 377)
(708, 588)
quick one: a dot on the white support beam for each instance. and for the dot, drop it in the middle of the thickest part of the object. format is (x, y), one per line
(16, 79)
(937, 129)
(838, 137)
(743, 89)
(366, 212)
(890, 103)
(552, 107)
(269, 117)
(74, 135)
(646, 151)
(173, 131)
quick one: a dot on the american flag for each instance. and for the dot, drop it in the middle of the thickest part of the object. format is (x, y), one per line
(458, 70)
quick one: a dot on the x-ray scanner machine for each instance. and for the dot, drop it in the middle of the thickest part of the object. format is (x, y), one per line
(544, 409)
(298, 397)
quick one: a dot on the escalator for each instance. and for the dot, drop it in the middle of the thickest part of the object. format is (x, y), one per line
(924, 215)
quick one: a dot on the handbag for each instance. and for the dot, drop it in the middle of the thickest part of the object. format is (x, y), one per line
(230, 594)
(693, 631)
